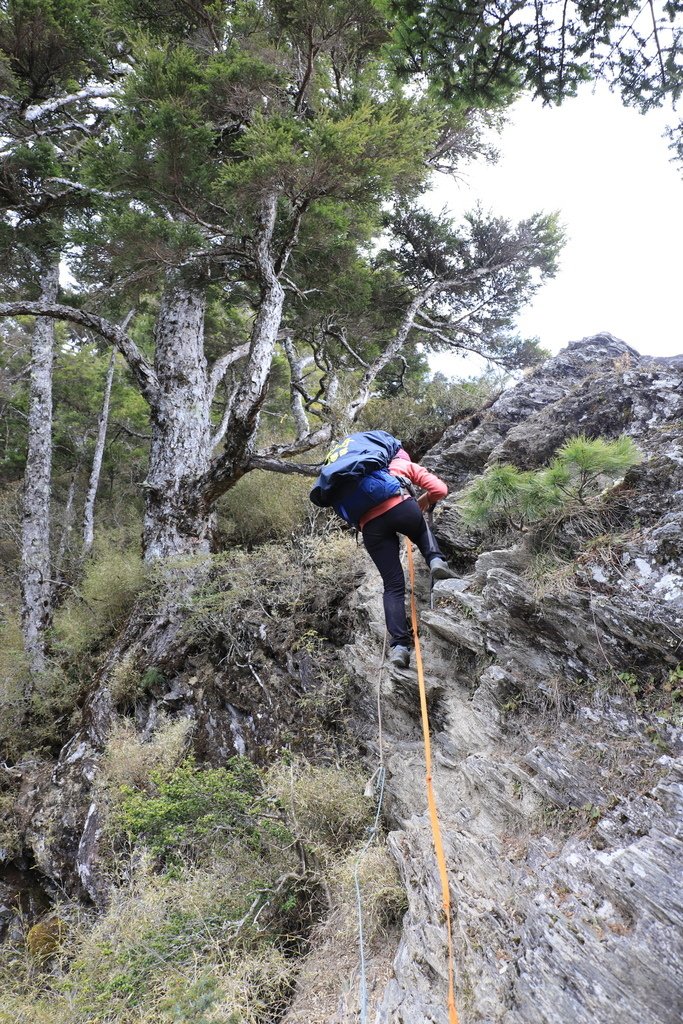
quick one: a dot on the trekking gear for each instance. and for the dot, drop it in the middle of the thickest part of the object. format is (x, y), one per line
(355, 475)
(381, 539)
(440, 570)
(399, 656)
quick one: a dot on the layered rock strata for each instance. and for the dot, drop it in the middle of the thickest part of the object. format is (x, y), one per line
(558, 758)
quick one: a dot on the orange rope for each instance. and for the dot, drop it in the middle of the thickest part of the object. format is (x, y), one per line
(431, 800)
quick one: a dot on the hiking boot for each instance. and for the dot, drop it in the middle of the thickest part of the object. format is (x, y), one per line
(441, 570)
(399, 657)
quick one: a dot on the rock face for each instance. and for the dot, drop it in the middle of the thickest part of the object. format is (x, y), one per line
(554, 691)
(560, 791)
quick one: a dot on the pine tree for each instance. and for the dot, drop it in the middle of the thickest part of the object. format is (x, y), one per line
(486, 53)
(49, 55)
(509, 497)
(249, 163)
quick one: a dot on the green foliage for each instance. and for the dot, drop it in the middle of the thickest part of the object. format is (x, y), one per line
(188, 810)
(529, 47)
(49, 43)
(265, 506)
(113, 579)
(486, 268)
(509, 497)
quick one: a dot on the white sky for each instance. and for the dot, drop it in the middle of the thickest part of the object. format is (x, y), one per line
(607, 170)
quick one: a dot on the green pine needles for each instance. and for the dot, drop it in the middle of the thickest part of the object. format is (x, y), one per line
(505, 496)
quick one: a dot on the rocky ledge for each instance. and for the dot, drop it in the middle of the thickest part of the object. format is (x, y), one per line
(558, 752)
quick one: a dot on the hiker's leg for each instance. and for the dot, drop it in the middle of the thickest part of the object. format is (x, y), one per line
(382, 544)
(411, 522)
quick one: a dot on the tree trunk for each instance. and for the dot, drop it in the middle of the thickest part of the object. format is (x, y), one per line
(67, 527)
(178, 521)
(245, 409)
(36, 586)
(93, 483)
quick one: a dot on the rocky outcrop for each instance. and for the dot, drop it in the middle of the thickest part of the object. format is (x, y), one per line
(554, 691)
(558, 751)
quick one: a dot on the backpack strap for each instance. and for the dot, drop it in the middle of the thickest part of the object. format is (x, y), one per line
(407, 485)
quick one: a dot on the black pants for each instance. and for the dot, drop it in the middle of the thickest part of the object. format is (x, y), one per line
(381, 539)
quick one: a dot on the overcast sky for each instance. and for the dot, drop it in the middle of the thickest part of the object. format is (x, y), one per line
(606, 168)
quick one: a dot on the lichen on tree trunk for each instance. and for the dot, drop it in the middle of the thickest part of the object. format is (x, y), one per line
(36, 586)
(177, 520)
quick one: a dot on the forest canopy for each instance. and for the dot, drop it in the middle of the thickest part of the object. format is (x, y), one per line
(216, 246)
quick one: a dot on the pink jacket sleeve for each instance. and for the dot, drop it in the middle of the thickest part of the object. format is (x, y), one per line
(433, 485)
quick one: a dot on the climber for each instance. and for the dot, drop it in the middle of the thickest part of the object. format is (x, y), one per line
(381, 526)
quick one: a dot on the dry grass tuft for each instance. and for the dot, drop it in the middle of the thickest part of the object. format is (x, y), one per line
(128, 761)
(326, 806)
(112, 581)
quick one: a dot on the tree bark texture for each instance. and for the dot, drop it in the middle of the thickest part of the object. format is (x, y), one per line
(245, 408)
(93, 483)
(178, 520)
(67, 527)
(36, 586)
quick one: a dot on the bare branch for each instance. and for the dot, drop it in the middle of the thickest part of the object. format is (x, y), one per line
(141, 369)
(274, 466)
(222, 364)
(434, 288)
(302, 444)
(122, 428)
(38, 110)
(657, 43)
(297, 390)
(96, 468)
(76, 186)
(288, 247)
(222, 427)
(340, 336)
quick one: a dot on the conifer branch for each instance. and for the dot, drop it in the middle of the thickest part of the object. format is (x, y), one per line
(141, 369)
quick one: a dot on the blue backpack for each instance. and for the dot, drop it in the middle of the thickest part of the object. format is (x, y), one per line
(355, 475)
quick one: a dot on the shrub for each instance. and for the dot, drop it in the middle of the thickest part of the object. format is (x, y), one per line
(325, 806)
(10, 836)
(14, 677)
(420, 420)
(384, 899)
(167, 950)
(39, 721)
(264, 506)
(188, 810)
(289, 585)
(128, 762)
(509, 497)
(112, 581)
(248, 988)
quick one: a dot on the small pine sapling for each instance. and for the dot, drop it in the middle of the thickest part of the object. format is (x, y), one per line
(505, 496)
